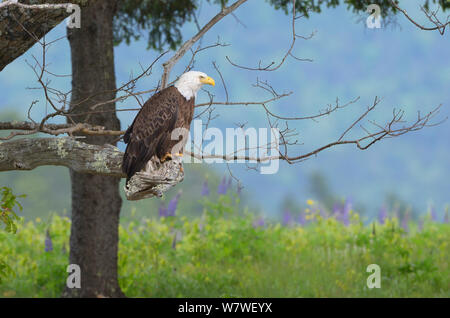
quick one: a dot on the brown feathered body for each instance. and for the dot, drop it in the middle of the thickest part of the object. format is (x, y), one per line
(150, 133)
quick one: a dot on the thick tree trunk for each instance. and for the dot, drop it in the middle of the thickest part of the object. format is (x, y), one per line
(96, 201)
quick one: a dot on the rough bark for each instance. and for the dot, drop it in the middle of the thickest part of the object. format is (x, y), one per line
(21, 28)
(106, 160)
(155, 179)
(96, 201)
(29, 153)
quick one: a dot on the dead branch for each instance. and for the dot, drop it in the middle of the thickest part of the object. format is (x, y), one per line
(431, 16)
(29, 128)
(155, 180)
(273, 66)
(189, 43)
(389, 130)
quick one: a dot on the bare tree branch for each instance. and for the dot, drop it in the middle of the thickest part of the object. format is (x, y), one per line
(389, 130)
(55, 129)
(432, 17)
(272, 66)
(188, 44)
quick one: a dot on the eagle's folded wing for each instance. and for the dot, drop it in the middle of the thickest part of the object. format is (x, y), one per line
(154, 122)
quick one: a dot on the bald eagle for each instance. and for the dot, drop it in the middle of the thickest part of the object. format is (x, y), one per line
(168, 109)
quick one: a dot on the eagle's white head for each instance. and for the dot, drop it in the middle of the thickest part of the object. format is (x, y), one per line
(190, 82)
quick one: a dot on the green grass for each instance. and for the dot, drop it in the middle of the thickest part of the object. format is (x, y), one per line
(222, 254)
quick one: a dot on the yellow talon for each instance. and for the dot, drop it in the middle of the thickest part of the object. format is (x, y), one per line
(167, 155)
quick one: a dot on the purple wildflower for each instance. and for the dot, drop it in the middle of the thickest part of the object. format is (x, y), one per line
(345, 217)
(287, 218)
(433, 214)
(222, 189)
(172, 206)
(336, 209)
(405, 222)
(342, 213)
(301, 219)
(420, 225)
(48, 242)
(205, 189)
(162, 211)
(382, 215)
(346, 212)
(258, 222)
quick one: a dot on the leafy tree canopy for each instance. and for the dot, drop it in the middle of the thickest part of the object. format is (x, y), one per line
(162, 19)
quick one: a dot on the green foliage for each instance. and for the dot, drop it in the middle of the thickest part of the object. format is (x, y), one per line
(8, 202)
(445, 4)
(224, 254)
(163, 20)
(305, 6)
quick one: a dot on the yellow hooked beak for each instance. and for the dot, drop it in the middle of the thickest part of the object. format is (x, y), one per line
(207, 80)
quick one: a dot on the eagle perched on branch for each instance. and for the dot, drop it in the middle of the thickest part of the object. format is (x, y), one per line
(151, 131)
